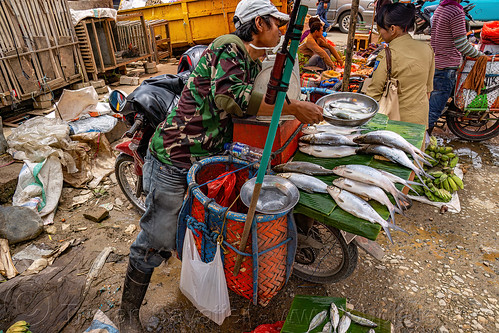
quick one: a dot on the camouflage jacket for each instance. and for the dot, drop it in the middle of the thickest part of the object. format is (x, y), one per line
(220, 87)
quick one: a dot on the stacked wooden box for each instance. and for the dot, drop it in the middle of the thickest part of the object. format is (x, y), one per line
(38, 49)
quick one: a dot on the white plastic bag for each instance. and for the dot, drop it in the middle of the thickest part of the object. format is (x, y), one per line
(204, 283)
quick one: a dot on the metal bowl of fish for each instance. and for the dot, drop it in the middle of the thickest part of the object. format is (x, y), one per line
(347, 108)
(277, 195)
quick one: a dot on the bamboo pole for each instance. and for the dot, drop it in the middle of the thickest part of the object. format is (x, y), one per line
(351, 36)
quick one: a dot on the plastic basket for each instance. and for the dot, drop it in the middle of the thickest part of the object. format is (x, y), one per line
(269, 255)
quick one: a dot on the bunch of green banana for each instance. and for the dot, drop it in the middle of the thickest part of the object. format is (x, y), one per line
(447, 180)
(442, 155)
(436, 194)
(19, 327)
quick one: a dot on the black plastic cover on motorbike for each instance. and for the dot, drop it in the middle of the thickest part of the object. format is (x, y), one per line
(157, 96)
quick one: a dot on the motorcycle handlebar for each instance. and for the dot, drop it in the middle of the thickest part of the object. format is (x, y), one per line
(136, 125)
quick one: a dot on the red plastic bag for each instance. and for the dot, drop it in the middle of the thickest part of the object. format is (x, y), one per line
(490, 33)
(269, 328)
(222, 190)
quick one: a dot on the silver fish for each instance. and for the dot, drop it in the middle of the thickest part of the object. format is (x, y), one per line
(325, 151)
(317, 320)
(328, 128)
(395, 155)
(371, 330)
(328, 328)
(360, 320)
(345, 322)
(369, 175)
(329, 139)
(395, 140)
(347, 115)
(368, 191)
(307, 168)
(305, 182)
(357, 207)
(349, 106)
(334, 315)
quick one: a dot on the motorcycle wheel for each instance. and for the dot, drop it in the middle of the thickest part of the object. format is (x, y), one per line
(472, 129)
(129, 182)
(329, 259)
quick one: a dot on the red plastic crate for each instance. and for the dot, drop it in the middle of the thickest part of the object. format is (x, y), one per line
(254, 133)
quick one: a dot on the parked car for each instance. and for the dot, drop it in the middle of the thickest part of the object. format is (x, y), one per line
(339, 12)
(485, 10)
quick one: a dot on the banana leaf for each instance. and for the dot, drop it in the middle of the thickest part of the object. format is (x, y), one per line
(304, 308)
(323, 208)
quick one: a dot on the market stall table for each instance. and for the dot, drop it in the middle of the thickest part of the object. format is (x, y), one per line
(323, 208)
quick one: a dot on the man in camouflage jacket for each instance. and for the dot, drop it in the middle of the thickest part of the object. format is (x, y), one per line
(219, 88)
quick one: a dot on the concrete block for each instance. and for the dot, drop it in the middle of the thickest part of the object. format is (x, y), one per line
(80, 85)
(135, 72)
(117, 132)
(96, 214)
(43, 98)
(129, 80)
(149, 65)
(98, 83)
(8, 180)
(102, 90)
(42, 105)
(151, 70)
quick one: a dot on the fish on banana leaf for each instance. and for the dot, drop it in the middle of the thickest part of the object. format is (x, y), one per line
(306, 168)
(360, 320)
(305, 182)
(328, 128)
(334, 316)
(395, 155)
(317, 320)
(324, 151)
(360, 208)
(395, 140)
(329, 139)
(369, 175)
(344, 324)
(368, 191)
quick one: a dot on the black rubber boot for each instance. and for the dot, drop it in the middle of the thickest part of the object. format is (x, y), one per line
(134, 290)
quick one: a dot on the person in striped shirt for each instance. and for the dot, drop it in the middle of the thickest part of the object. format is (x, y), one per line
(448, 40)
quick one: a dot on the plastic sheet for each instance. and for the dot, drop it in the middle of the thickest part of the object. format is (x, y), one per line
(40, 137)
(103, 124)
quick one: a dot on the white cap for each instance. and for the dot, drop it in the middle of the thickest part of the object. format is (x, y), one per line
(247, 10)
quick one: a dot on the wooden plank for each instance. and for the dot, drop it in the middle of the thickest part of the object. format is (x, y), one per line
(48, 41)
(97, 43)
(18, 65)
(67, 57)
(11, 29)
(46, 58)
(109, 37)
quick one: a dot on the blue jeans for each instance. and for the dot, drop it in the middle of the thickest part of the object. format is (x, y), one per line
(322, 13)
(443, 85)
(165, 186)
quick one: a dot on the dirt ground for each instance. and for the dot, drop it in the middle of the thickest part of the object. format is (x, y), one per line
(442, 277)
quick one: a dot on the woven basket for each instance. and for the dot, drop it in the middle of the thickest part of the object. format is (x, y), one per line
(269, 254)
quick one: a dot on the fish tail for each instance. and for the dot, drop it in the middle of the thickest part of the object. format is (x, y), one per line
(399, 211)
(387, 231)
(392, 214)
(424, 160)
(395, 227)
(402, 200)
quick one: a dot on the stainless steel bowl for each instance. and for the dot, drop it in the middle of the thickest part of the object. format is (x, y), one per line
(349, 97)
(278, 195)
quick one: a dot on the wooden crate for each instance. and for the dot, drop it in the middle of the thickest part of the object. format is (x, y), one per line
(38, 49)
(103, 41)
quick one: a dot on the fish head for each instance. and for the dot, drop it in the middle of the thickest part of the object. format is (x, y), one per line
(278, 168)
(311, 129)
(307, 138)
(339, 170)
(284, 175)
(339, 182)
(359, 139)
(333, 191)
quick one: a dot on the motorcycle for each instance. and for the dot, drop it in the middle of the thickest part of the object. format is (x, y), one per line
(423, 20)
(144, 109)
